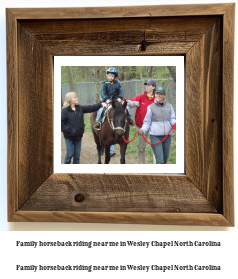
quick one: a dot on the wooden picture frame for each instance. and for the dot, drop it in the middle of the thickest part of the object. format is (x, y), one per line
(203, 34)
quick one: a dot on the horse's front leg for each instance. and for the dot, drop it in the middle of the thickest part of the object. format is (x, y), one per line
(99, 153)
(99, 149)
(107, 153)
(123, 147)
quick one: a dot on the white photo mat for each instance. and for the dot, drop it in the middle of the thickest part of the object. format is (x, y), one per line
(177, 61)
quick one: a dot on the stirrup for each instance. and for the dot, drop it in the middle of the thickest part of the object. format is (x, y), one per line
(96, 127)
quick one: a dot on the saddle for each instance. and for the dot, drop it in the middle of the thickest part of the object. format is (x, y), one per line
(104, 113)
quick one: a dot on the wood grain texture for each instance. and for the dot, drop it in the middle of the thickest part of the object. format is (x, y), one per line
(203, 34)
(35, 114)
(47, 29)
(227, 112)
(122, 12)
(164, 36)
(12, 119)
(204, 115)
(182, 219)
(74, 49)
(116, 193)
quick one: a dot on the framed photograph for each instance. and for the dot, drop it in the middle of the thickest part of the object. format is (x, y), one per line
(86, 93)
(202, 35)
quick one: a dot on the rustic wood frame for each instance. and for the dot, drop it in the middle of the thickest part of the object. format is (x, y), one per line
(203, 34)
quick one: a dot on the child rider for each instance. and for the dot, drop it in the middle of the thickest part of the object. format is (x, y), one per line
(111, 90)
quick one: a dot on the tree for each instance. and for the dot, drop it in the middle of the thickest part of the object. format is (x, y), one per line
(132, 72)
(150, 70)
(140, 71)
(121, 75)
(172, 71)
(95, 74)
(70, 79)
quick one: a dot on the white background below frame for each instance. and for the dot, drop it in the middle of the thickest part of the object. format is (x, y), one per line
(177, 61)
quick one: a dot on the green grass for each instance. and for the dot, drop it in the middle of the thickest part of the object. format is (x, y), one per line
(132, 148)
(87, 123)
(172, 154)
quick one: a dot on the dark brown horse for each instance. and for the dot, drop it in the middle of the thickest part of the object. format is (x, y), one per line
(113, 130)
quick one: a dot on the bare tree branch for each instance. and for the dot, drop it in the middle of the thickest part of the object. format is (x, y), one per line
(172, 71)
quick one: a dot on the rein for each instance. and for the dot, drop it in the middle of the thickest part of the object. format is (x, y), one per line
(128, 141)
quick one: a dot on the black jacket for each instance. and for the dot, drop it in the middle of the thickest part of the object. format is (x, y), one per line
(112, 90)
(72, 122)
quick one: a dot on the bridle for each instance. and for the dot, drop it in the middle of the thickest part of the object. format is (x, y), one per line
(110, 122)
(117, 128)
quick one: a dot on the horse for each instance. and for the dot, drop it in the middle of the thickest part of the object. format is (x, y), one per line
(114, 128)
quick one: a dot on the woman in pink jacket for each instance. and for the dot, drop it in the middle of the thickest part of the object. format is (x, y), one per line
(142, 101)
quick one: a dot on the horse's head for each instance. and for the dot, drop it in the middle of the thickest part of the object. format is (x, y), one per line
(119, 119)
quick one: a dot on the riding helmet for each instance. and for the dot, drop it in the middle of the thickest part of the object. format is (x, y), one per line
(113, 70)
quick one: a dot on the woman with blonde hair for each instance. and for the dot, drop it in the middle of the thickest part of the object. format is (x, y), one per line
(72, 125)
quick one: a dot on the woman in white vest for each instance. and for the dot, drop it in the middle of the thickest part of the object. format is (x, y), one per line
(159, 119)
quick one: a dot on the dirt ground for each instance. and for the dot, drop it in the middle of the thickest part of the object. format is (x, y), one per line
(89, 152)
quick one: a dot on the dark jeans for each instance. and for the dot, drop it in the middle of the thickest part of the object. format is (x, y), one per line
(73, 148)
(162, 149)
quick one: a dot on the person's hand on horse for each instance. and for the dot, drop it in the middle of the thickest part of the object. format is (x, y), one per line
(104, 105)
(119, 99)
(140, 132)
(108, 101)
